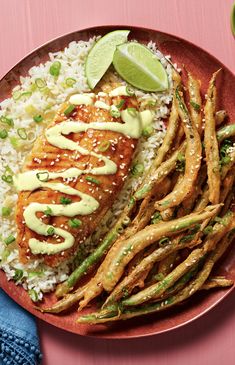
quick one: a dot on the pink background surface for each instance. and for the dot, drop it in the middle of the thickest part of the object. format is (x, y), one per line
(26, 24)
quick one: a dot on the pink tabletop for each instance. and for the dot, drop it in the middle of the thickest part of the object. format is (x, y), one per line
(26, 24)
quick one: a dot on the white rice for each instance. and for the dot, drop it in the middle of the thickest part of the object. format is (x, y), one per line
(35, 274)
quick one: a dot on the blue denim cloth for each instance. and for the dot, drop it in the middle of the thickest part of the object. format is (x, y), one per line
(19, 343)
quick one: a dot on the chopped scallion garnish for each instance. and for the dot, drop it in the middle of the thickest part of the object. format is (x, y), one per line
(104, 146)
(146, 132)
(132, 111)
(69, 110)
(8, 121)
(164, 241)
(38, 118)
(9, 239)
(137, 169)
(195, 106)
(75, 223)
(7, 178)
(120, 105)
(18, 275)
(114, 112)
(70, 81)
(48, 211)
(64, 200)
(33, 295)
(51, 231)
(6, 211)
(43, 176)
(22, 133)
(3, 133)
(40, 83)
(92, 180)
(18, 94)
(180, 164)
(129, 91)
(55, 68)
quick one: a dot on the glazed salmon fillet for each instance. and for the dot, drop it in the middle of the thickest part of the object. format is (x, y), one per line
(115, 146)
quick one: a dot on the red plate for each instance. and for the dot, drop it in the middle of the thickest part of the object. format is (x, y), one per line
(200, 63)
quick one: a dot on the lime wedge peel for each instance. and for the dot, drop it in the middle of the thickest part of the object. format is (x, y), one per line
(101, 54)
(137, 65)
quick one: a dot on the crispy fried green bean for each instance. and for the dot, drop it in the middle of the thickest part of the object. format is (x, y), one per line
(192, 158)
(156, 290)
(95, 256)
(117, 312)
(127, 249)
(220, 116)
(226, 132)
(211, 144)
(216, 282)
(195, 102)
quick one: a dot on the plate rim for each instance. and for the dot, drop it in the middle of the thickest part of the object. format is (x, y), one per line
(95, 29)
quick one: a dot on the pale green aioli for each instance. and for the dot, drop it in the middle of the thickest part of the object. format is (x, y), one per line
(132, 126)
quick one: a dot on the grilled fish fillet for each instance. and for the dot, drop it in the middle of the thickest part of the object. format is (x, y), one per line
(45, 156)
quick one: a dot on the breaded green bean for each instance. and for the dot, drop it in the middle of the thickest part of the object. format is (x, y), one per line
(220, 117)
(156, 290)
(226, 132)
(216, 282)
(195, 102)
(211, 143)
(126, 250)
(115, 312)
(192, 158)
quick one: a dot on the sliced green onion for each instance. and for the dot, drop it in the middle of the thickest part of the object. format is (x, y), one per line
(114, 112)
(70, 81)
(18, 94)
(6, 211)
(22, 133)
(137, 169)
(180, 164)
(156, 218)
(43, 176)
(75, 223)
(195, 106)
(51, 231)
(7, 178)
(8, 121)
(187, 238)
(38, 118)
(48, 211)
(18, 274)
(146, 132)
(33, 295)
(32, 274)
(225, 160)
(130, 91)
(92, 180)
(9, 239)
(120, 105)
(64, 200)
(3, 133)
(40, 83)
(104, 146)
(69, 110)
(132, 111)
(55, 68)
(164, 241)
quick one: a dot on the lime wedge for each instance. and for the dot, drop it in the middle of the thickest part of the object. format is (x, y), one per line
(233, 19)
(101, 55)
(137, 65)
